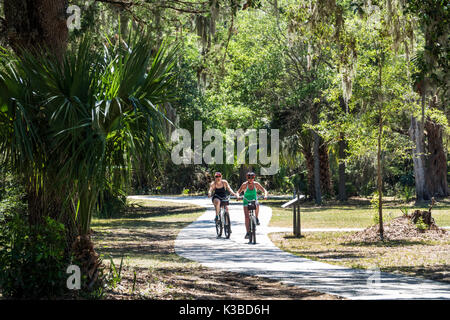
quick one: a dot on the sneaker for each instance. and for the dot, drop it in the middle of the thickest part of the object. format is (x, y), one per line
(257, 221)
(215, 219)
(247, 235)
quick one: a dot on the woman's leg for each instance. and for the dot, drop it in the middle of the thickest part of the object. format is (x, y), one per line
(217, 206)
(247, 222)
(257, 213)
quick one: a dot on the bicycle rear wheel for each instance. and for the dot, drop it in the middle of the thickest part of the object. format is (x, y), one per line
(227, 225)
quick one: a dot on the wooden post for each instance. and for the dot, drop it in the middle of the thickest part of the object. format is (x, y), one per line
(296, 223)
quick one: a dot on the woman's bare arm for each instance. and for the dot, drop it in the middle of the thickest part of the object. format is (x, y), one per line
(260, 187)
(241, 189)
(229, 187)
(212, 187)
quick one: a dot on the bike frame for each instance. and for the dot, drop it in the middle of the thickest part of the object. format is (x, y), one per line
(252, 219)
(223, 226)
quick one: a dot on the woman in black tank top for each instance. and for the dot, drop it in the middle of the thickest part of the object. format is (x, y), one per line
(219, 187)
(221, 192)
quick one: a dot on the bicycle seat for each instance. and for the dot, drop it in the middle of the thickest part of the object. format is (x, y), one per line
(224, 202)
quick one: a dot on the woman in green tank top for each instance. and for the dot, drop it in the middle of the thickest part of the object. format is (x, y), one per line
(249, 194)
(250, 188)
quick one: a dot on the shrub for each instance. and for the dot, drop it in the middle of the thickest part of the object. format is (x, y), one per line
(111, 203)
(421, 225)
(32, 259)
(407, 194)
(375, 204)
(11, 197)
(405, 211)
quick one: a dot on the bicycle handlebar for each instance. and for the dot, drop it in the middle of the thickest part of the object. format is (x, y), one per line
(243, 197)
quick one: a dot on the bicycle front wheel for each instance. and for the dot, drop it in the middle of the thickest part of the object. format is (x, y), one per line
(227, 226)
(252, 238)
(219, 226)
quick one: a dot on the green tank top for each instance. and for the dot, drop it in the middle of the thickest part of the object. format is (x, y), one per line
(250, 195)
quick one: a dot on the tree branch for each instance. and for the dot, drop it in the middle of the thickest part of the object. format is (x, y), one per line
(126, 5)
(182, 9)
(119, 3)
(230, 32)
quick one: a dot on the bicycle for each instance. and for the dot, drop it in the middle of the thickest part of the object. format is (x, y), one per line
(223, 223)
(252, 220)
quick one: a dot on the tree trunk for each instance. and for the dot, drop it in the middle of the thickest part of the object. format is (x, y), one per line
(317, 191)
(379, 168)
(380, 179)
(34, 25)
(310, 169)
(342, 192)
(416, 135)
(342, 196)
(243, 170)
(436, 163)
(325, 173)
(37, 24)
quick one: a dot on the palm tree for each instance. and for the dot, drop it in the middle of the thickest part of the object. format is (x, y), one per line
(70, 128)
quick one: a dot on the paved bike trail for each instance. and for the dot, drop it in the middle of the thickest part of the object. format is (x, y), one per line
(198, 242)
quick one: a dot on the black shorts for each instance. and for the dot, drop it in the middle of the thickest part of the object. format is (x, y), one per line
(224, 199)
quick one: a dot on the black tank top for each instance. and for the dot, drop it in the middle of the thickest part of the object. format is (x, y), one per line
(221, 192)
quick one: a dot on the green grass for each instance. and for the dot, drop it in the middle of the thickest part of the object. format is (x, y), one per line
(356, 214)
